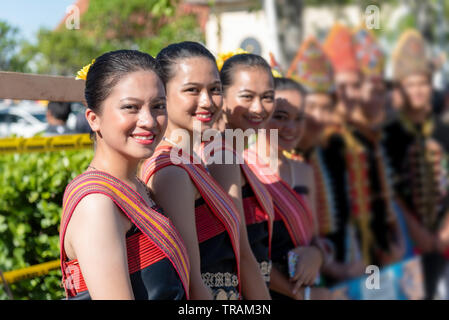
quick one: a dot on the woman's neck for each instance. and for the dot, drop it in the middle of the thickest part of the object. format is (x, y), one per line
(180, 137)
(368, 123)
(114, 163)
(417, 116)
(267, 154)
(305, 144)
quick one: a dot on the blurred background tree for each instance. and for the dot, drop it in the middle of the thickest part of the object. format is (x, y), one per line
(146, 25)
(10, 59)
(32, 185)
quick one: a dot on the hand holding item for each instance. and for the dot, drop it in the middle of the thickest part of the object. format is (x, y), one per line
(306, 261)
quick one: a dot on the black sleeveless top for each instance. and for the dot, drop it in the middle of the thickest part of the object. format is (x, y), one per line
(281, 245)
(218, 263)
(257, 233)
(158, 281)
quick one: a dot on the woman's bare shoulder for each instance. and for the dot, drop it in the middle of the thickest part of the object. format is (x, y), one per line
(95, 212)
(168, 176)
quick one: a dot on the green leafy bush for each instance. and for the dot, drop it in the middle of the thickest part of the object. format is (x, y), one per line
(31, 190)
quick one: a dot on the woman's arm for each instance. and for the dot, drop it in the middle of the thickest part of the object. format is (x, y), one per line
(344, 271)
(165, 184)
(97, 236)
(423, 239)
(280, 283)
(253, 284)
(310, 260)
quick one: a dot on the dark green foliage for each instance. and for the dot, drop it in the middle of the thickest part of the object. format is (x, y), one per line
(31, 190)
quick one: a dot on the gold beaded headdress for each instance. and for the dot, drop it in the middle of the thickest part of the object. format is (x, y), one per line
(410, 56)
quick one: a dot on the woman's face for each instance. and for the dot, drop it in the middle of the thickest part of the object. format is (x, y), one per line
(417, 89)
(288, 118)
(348, 89)
(194, 94)
(373, 97)
(318, 111)
(133, 118)
(249, 100)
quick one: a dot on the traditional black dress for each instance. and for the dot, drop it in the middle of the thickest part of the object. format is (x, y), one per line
(218, 262)
(257, 206)
(382, 216)
(217, 223)
(418, 157)
(257, 228)
(293, 221)
(154, 268)
(334, 159)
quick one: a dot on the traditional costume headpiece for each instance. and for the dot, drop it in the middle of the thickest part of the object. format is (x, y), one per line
(409, 56)
(339, 47)
(369, 55)
(312, 68)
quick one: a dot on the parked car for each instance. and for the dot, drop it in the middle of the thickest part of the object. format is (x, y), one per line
(24, 121)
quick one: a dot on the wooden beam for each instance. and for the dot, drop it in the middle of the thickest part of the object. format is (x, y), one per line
(23, 86)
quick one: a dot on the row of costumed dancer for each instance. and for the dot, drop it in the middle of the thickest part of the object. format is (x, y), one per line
(351, 179)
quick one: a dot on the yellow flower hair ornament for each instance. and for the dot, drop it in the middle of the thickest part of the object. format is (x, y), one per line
(222, 57)
(276, 73)
(82, 74)
(275, 67)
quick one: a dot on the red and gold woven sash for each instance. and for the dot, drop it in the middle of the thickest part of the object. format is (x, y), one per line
(288, 204)
(260, 191)
(359, 190)
(158, 228)
(213, 194)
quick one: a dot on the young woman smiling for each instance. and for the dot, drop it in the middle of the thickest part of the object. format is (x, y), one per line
(249, 103)
(289, 119)
(115, 242)
(206, 216)
(322, 146)
(248, 193)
